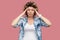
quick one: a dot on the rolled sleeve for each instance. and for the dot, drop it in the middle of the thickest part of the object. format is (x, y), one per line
(19, 22)
(42, 23)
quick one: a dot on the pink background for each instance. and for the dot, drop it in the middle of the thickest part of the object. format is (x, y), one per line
(10, 9)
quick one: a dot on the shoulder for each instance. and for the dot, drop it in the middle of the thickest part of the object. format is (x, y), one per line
(23, 18)
(37, 18)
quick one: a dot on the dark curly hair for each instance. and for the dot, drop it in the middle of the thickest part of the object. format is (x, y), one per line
(31, 4)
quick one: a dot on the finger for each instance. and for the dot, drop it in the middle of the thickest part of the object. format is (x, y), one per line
(26, 9)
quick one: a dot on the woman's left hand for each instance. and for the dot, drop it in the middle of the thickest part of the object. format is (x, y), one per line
(37, 13)
(43, 18)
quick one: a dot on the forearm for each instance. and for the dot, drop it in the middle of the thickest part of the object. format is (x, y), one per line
(45, 20)
(15, 21)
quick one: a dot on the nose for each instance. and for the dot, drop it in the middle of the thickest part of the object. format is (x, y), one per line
(30, 10)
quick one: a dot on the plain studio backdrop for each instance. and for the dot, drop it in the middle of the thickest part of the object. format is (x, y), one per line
(10, 9)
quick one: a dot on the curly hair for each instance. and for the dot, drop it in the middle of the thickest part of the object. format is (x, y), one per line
(31, 4)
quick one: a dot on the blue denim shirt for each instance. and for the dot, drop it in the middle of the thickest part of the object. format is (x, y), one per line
(38, 23)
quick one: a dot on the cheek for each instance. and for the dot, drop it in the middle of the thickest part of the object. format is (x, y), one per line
(32, 12)
(28, 12)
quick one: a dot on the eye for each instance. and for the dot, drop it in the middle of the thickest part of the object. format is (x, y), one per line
(32, 10)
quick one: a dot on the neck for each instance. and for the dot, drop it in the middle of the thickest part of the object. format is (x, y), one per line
(30, 17)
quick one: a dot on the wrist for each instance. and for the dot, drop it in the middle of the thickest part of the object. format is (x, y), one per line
(40, 15)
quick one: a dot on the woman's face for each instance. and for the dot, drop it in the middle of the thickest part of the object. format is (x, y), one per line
(30, 11)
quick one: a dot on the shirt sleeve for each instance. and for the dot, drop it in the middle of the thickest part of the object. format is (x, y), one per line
(43, 23)
(19, 22)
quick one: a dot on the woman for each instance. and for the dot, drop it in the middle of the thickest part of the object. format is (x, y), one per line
(30, 22)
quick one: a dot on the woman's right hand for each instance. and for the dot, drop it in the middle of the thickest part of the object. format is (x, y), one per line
(15, 21)
(23, 13)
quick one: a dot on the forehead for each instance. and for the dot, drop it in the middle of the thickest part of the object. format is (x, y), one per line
(30, 8)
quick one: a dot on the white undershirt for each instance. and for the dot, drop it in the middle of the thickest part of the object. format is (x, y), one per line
(29, 27)
(29, 32)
